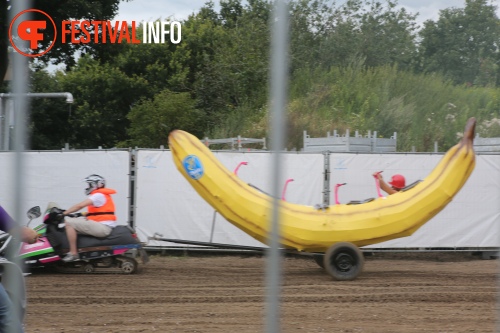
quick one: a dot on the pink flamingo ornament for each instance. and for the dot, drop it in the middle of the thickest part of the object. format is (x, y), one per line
(239, 165)
(284, 188)
(336, 191)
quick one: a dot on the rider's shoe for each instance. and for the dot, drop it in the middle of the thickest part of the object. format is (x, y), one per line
(69, 257)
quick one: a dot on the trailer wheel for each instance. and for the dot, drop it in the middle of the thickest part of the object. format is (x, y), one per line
(343, 261)
(319, 259)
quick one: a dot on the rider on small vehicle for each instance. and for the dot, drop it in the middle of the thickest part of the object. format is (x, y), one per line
(100, 219)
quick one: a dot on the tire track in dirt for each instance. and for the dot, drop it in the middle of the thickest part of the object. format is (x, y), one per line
(223, 294)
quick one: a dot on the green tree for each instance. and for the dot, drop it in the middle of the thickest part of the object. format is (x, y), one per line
(103, 97)
(309, 23)
(230, 12)
(152, 120)
(50, 117)
(231, 67)
(4, 39)
(325, 34)
(463, 44)
(155, 63)
(388, 36)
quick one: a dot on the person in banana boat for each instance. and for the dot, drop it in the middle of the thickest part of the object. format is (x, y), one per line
(397, 183)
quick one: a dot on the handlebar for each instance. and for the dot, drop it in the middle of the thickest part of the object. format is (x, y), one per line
(77, 214)
(239, 165)
(284, 188)
(337, 202)
(377, 183)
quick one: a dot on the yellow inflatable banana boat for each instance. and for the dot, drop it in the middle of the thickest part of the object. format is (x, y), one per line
(305, 228)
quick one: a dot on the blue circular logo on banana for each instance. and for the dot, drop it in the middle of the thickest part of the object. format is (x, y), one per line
(193, 167)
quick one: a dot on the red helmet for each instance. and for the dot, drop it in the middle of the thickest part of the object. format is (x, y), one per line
(398, 181)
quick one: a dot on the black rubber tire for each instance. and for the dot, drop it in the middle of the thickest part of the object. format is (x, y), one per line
(88, 268)
(128, 265)
(344, 261)
(318, 258)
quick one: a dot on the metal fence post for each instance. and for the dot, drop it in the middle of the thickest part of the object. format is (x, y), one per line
(326, 179)
(277, 98)
(2, 121)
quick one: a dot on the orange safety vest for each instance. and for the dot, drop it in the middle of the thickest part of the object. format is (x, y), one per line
(105, 212)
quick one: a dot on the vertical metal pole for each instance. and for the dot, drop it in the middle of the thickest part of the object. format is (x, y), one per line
(213, 227)
(2, 121)
(278, 82)
(347, 140)
(132, 187)
(6, 124)
(497, 303)
(20, 82)
(326, 181)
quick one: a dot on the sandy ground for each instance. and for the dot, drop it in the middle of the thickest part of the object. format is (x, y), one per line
(226, 293)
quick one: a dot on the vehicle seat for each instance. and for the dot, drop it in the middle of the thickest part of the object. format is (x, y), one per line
(412, 185)
(321, 206)
(359, 202)
(258, 189)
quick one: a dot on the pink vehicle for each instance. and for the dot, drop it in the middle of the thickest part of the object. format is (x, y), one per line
(115, 252)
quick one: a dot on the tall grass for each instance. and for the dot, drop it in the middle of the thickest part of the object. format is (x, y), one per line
(421, 108)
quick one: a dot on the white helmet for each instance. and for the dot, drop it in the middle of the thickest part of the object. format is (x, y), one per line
(94, 182)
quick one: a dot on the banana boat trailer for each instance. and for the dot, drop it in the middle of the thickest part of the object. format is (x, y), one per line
(332, 235)
(346, 266)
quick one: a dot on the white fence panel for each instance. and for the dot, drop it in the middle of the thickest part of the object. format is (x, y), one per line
(471, 219)
(166, 203)
(58, 176)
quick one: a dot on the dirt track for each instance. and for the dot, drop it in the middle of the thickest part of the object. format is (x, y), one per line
(225, 294)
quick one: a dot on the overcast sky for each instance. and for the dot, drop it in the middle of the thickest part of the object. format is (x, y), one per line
(149, 10)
